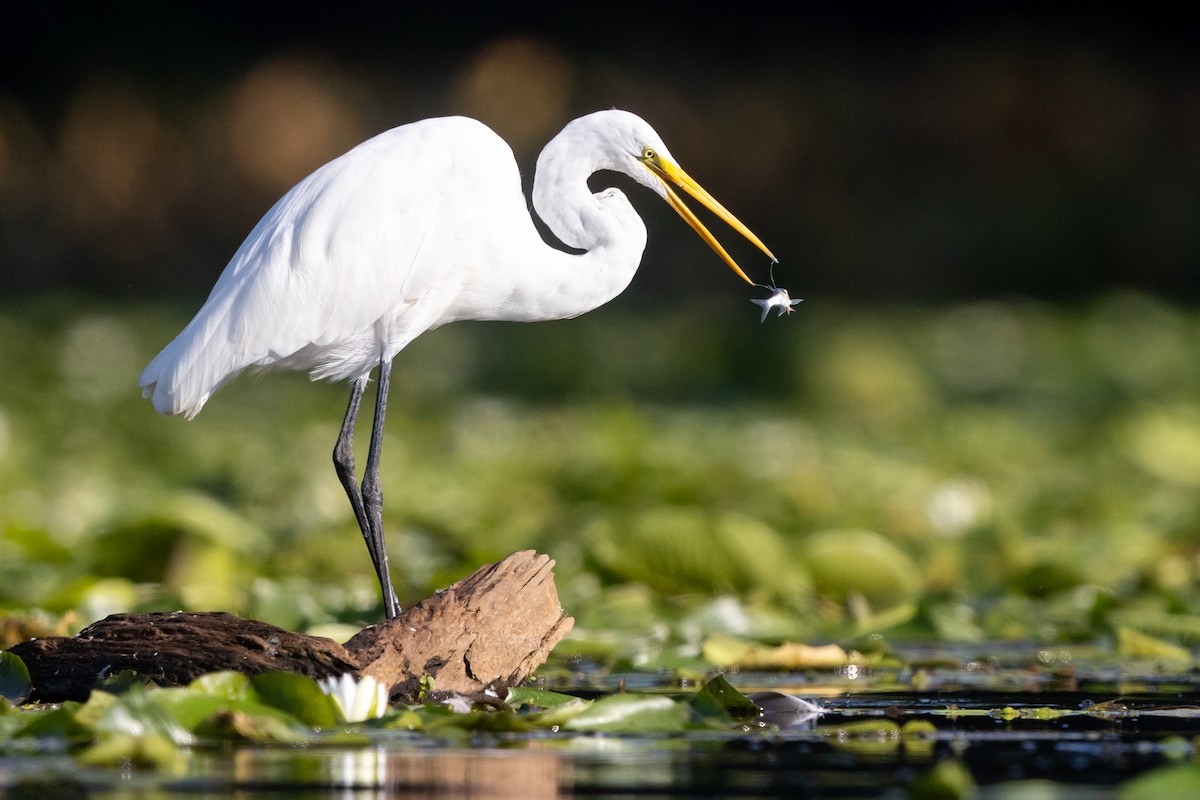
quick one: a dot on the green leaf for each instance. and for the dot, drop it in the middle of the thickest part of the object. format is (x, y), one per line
(298, 695)
(947, 780)
(15, 684)
(560, 714)
(150, 750)
(137, 713)
(57, 723)
(228, 685)
(1164, 783)
(194, 710)
(123, 681)
(719, 701)
(238, 724)
(1134, 644)
(631, 712)
(521, 696)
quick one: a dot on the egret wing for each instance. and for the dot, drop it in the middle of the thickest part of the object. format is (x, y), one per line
(350, 265)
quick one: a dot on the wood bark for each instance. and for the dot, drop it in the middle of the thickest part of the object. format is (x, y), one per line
(490, 630)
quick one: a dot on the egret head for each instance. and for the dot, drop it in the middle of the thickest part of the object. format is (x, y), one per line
(624, 142)
(639, 151)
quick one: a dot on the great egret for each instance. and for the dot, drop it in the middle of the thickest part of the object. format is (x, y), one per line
(419, 226)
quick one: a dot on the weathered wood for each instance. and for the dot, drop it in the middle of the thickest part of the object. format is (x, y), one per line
(489, 630)
(172, 649)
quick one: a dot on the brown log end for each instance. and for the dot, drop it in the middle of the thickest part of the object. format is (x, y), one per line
(490, 630)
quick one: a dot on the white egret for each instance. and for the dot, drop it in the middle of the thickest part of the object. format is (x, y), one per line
(419, 226)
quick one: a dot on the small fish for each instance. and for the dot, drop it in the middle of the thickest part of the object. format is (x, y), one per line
(780, 300)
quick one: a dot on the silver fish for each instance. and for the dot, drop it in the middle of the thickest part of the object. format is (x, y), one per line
(780, 300)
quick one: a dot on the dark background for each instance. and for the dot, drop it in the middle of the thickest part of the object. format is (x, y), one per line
(921, 153)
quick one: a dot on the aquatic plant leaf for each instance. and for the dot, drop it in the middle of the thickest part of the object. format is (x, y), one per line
(729, 651)
(630, 713)
(137, 713)
(123, 681)
(192, 709)
(15, 685)
(860, 562)
(147, 751)
(1164, 783)
(57, 723)
(228, 685)
(1135, 644)
(947, 780)
(298, 695)
(521, 696)
(719, 700)
(235, 725)
(560, 714)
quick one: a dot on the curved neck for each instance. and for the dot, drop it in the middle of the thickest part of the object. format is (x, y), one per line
(527, 280)
(604, 225)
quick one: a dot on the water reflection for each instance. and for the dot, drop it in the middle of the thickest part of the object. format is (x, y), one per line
(386, 770)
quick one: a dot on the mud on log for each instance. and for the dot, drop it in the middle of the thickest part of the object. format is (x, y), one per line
(488, 631)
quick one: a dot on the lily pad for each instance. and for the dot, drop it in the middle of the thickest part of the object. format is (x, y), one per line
(297, 695)
(845, 563)
(631, 713)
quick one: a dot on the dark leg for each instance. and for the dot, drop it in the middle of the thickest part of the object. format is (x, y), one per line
(343, 458)
(372, 494)
(368, 513)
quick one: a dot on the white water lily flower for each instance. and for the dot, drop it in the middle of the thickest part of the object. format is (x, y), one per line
(358, 700)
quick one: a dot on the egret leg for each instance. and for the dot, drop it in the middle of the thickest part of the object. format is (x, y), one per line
(367, 499)
(343, 459)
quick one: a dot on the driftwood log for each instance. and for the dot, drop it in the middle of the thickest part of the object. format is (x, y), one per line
(488, 631)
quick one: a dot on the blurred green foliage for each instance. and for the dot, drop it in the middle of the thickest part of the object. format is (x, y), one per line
(1000, 469)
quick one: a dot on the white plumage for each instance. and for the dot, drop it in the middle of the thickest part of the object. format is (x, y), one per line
(417, 227)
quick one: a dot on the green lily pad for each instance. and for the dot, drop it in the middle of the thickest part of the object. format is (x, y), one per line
(297, 695)
(520, 696)
(845, 563)
(630, 713)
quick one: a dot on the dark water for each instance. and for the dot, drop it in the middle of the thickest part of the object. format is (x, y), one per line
(1025, 733)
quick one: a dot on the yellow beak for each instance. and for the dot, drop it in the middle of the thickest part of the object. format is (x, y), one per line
(669, 173)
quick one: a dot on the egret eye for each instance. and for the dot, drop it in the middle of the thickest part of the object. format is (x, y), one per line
(648, 152)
